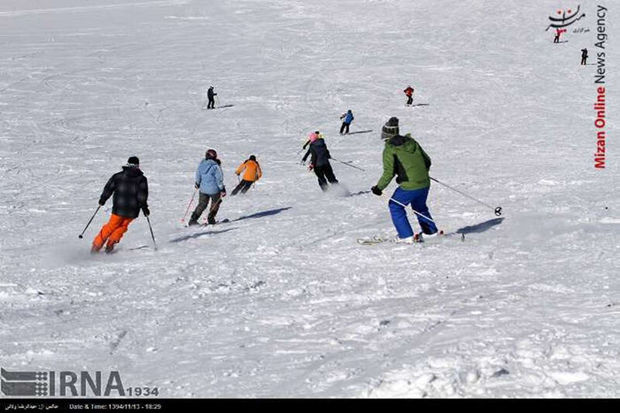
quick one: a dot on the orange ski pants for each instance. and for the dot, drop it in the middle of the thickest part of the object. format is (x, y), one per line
(112, 231)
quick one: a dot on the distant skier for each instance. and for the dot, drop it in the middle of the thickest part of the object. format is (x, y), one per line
(252, 174)
(131, 192)
(409, 92)
(558, 33)
(584, 57)
(210, 181)
(348, 118)
(319, 161)
(211, 96)
(404, 157)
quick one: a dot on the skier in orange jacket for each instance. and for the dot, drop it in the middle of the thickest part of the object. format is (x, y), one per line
(252, 174)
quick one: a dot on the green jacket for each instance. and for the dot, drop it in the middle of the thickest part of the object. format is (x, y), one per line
(405, 158)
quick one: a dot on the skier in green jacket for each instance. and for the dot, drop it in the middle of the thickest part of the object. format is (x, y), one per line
(405, 158)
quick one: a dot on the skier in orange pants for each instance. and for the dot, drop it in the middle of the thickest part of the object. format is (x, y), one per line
(130, 190)
(112, 232)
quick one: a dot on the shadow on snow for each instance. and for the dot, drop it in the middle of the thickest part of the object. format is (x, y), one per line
(481, 227)
(359, 193)
(200, 234)
(262, 214)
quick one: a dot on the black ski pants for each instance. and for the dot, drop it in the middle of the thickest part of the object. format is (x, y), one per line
(325, 174)
(243, 186)
(203, 202)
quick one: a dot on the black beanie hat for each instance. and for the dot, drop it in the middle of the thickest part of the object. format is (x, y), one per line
(390, 129)
(252, 157)
(133, 161)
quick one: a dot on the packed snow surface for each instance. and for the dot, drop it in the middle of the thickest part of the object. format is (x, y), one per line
(282, 300)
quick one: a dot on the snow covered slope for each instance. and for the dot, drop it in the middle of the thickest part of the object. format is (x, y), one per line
(282, 301)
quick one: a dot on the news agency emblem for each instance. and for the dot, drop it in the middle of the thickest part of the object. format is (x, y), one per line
(68, 384)
(24, 383)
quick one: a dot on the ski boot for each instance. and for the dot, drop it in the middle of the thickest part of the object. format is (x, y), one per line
(420, 237)
(408, 240)
(110, 248)
(193, 221)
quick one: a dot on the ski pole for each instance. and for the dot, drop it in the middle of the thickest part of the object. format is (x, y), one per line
(348, 164)
(497, 210)
(91, 220)
(405, 206)
(189, 205)
(152, 235)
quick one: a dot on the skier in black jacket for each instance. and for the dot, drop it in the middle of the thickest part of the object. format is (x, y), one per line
(211, 96)
(131, 192)
(319, 161)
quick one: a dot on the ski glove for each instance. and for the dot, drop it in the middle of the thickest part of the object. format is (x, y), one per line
(375, 190)
(145, 211)
(310, 167)
(196, 185)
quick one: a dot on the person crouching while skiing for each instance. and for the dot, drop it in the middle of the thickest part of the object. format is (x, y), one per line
(404, 157)
(319, 161)
(252, 174)
(131, 192)
(210, 181)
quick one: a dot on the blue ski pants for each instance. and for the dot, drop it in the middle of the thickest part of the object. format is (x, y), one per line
(417, 199)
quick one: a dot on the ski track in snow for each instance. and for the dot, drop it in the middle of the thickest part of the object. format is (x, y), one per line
(282, 301)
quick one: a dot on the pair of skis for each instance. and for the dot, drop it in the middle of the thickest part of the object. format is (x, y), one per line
(417, 239)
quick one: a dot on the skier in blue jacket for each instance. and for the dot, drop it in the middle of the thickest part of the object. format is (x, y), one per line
(210, 181)
(348, 118)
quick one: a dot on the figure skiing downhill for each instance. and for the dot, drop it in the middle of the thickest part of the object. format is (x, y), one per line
(584, 57)
(405, 158)
(558, 33)
(130, 190)
(252, 174)
(347, 118)
(409, 93)
(210, 182)
(319, 161)
(211, 97)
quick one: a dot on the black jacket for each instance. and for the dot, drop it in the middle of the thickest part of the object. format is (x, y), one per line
(130, 190)
(319, 152)
(210, 93)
